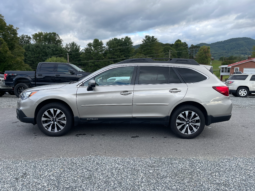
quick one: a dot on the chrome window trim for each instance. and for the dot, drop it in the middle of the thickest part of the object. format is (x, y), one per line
(140, 64)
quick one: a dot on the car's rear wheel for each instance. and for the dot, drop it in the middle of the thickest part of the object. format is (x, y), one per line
(1, 94)
(187, 121)
(20, 87)
(54, 119)
(242, 92)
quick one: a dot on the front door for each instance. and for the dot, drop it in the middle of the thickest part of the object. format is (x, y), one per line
(111, 98)
(63, 74)
(157, 90)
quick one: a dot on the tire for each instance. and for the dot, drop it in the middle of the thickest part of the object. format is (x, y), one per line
(1, 94)
(234, 94)
(19, 88)
(61, 126)
(193, 129)
(242, 92)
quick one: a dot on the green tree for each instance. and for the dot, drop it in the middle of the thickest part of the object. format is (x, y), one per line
(150, 47)
(24, 40)
(93, 56)
(169, 47)
(193, 50)
(181, 49)
(253, 52)
(47, 38)
(119, 49)
(11, 53)
(56, 59)
(73, 50)
(204, 55)
(36, 53)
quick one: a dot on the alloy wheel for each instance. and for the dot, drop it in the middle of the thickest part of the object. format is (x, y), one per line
(243, 92)
(188, 122)
(54, 120)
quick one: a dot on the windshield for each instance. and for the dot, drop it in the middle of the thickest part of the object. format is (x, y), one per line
(77, 68)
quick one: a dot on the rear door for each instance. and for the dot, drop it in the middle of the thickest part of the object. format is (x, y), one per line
(45, 74)
(157, 90)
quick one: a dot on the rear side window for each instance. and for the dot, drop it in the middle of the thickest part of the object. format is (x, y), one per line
(47, 67)
(238, 77)
(253, 78)
(173, 78)
(153, 75)
(190, 76)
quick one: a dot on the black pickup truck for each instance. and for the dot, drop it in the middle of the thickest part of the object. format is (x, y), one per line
(46, 73)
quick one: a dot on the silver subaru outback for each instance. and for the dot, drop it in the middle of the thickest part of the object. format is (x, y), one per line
(179, 93)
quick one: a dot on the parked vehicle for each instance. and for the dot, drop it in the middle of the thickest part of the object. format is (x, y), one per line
(4, 88)
(45, 74)
(241, 85)
(178, 93)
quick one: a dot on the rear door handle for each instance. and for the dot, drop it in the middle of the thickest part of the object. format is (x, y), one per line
(174, 90)
(57, 75)
(39, 74)
(125, 93)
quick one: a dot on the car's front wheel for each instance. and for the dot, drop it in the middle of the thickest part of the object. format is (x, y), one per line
(187, 121)
(54, 119)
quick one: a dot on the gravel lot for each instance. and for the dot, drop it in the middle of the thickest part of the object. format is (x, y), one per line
(225, 159)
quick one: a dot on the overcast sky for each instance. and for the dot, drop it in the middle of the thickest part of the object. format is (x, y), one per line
(192, 21)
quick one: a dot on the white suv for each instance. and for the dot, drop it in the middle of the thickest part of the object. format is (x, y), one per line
(241, 84)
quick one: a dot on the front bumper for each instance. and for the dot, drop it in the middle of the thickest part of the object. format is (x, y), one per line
(211, 119)
(23, 118)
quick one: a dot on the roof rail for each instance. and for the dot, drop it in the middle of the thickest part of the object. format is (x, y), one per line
(136, 60)
(150, 60)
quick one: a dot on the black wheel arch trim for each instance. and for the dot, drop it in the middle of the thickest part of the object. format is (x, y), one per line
(23, 118)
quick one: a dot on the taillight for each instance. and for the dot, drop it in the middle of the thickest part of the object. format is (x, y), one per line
(222, 89)
(5, 76)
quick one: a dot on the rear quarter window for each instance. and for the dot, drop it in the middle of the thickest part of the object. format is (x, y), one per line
(190, 76)
(238, 77)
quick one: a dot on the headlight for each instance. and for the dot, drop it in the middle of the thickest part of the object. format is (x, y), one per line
(25, 95)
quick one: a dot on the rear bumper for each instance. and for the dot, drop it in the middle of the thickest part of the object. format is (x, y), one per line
(211, 119)
(23, 118)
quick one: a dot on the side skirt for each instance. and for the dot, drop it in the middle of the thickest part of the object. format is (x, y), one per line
(91, 120)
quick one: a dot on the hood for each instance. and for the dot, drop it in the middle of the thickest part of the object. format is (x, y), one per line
(48, 87)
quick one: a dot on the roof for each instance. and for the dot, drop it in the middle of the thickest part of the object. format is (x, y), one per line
(150, 60)
(242, 62)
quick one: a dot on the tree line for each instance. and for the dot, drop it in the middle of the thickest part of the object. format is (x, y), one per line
(24, 52)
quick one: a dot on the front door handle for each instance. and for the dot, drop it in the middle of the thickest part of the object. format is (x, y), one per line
(39, 74)
(57, 75)
(125, 93)
(174, 90)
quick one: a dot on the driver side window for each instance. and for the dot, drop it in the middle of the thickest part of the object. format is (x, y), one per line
(115, 76)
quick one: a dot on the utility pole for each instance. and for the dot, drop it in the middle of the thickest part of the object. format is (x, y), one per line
(169, 54)
(67, 57)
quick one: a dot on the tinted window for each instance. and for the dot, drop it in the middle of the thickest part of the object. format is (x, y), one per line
(116, 76)
(173, 78)
(190, 76)
(253, 78)
(238, 77)
(153, 75)
(47, 67)
(63, 68)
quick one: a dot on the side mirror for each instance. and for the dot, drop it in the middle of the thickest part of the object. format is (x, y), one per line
(72, 72)
(91, 85)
